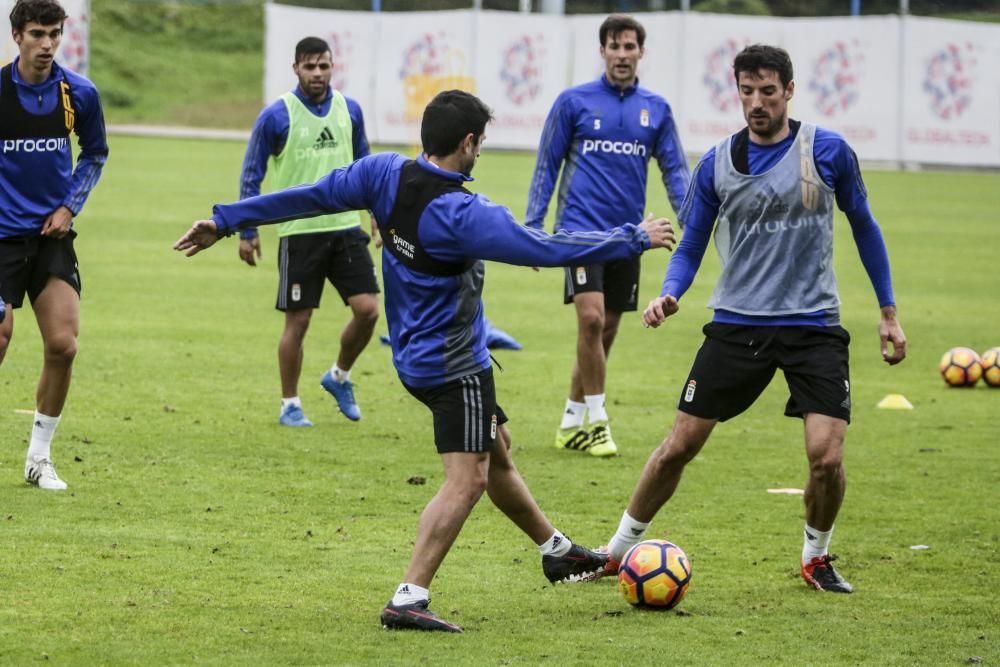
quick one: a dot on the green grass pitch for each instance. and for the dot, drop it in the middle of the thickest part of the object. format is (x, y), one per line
(196, 531)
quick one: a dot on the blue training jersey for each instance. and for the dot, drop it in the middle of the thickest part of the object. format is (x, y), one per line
(838, 168)
(423, 310)
(603, 137)
(37, 176)
(270, 132)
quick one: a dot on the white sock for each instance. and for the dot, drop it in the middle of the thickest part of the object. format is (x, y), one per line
(629, 533)
(815, 543)
(595, 406)
(410, 593)
(41, 436)
(557, 545)
(573, 416)
(294, 400)
(338, 374)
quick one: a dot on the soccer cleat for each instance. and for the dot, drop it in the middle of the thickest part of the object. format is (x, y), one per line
(576, 438)
(292, 415)
(601, 443)
(576, 565)
(42, 473)
(819, 574)
(343, 393)
(612, 565)
(415, 616)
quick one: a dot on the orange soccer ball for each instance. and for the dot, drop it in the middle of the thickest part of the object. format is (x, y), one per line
(990, 362)
(654, 574)
(960, 367)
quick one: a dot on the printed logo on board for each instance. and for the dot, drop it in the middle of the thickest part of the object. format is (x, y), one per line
(836, 76)
(341, 48)
(431, 64)
(949, 78)
(718, 77)
(521, 71)
(73, 48)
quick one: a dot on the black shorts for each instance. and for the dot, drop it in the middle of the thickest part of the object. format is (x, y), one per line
(736, 363)
(305, 261)
(619, 280)
(27, 263)
(466, 414)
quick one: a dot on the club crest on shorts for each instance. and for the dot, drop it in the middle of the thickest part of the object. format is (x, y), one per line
(644, 117)
(493, 428)
(581, 275)
(296, 292)
(689, 392)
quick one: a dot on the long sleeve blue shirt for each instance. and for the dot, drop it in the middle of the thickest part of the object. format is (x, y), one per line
(838, 167)
(270, 132)
(34, 185)
(603, 137)
(422, 309)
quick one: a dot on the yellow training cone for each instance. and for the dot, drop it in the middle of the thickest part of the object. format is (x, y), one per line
(895, 402)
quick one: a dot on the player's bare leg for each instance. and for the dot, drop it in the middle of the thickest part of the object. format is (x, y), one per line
(827, 481)
(591, 356)
(358, 331)
(465, 480)
(290, 350)
(6, 332)
(290, 355)
(659, 480)
(57, 312)
(823, 497)
(510, 494)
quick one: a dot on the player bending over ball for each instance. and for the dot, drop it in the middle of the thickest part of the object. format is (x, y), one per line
(437, 235)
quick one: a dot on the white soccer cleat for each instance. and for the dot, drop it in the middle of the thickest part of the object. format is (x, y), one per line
(42, 473)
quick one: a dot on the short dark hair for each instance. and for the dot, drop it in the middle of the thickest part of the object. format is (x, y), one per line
(43, 12)
(756, 57)
(450, 116)
(616, 24)
(310, 46)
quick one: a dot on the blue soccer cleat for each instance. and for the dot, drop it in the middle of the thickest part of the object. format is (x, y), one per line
(343, 393)
(292, 415)
(498, 339)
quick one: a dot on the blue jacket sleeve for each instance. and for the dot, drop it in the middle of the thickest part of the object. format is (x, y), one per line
(475, 227)
(359, 138)
(553, 148)
(349, 188)
(697, 217)
(93, 139)
(672, 161)
(267, 138)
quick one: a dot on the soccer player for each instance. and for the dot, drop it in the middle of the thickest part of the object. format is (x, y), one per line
(436, 235)
(307, 133)
(769, 191)
(603, 133)
(41, 103)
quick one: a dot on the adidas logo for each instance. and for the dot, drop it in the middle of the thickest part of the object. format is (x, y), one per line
(404, 589)
(556, 541)
(637, 532)
(810, 536)
(325, 140)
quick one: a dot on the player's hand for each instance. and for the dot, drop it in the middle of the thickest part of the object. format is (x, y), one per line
(376, 237)
(58, 223)
(203, 234)
(250, 250)
(889, 331)
(660, 231)
(658, 310)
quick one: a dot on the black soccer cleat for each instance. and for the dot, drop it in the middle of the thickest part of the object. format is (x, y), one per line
(415, 616)
(819, 574)
(578, 564)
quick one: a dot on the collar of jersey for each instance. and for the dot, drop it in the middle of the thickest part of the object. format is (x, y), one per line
(55, 75)
(434, 169)
(615, 89)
